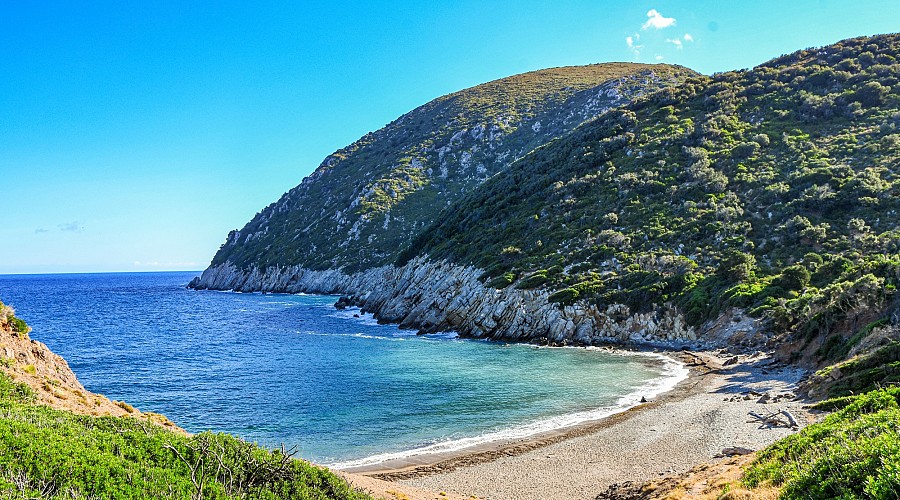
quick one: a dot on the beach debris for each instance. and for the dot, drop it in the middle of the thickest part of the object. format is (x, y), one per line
(761, 398)
(791, 419)
(733, 452)
(780, 418)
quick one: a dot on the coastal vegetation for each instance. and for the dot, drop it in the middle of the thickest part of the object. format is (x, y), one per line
(773, 190)
(852, 453)
(10, 323)
(770, 192)
(366, 201)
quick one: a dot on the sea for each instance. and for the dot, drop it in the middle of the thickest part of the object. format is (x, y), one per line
(292, 370)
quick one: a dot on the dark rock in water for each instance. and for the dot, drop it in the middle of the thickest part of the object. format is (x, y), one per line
(356, 315)
(343, 303)
(643, 399)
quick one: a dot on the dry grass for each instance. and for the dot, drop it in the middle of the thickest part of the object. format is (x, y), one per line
(713, 481)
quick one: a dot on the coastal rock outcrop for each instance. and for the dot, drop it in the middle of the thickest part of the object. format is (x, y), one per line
(438, 296)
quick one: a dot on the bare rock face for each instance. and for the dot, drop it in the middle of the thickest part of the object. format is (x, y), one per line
(438, 296)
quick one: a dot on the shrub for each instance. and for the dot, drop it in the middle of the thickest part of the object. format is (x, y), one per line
(793, 278)
(566, 296)
(502, 281)
(125, 406)
(853, 453)
(737, 266)
(533, 280)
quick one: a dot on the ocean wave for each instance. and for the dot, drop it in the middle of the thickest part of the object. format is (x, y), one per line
(353, 335)
(674, 372)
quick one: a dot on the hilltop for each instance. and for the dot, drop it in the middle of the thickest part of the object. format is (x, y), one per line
(366, 201)
(753, 209)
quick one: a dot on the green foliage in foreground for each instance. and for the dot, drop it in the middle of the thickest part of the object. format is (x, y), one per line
(49, 453)
(852, 453)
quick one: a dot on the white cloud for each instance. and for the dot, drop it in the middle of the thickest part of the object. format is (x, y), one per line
(633, 46)
(676, 42)
(659, 58)
(688, 37)
(656, 20)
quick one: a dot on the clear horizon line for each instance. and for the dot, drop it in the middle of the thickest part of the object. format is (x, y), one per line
(102, 272)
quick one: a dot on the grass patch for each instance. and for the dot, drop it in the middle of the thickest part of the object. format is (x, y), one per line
(125, 406)
(878, 368)
(852, 453)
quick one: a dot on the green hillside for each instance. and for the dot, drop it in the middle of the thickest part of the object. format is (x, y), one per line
(366, 201)
(774, 189)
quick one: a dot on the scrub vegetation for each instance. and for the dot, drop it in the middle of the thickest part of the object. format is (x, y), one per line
(775, 190)
(366, 201)
(852, 453)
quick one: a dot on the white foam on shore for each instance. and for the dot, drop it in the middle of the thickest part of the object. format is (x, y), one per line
(355, 314)
(674, 372)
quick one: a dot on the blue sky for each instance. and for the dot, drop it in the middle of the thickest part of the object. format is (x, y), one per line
(134, 137)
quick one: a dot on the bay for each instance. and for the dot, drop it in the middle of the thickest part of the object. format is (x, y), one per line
(291, 369)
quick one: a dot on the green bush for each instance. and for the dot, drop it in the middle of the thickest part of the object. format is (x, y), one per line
(14, 391)
(19, 326)
(853, 453)
(502, 281)
(533, 280)
(566, 296)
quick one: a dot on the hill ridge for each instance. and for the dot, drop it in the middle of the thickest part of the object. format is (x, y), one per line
(366, 200)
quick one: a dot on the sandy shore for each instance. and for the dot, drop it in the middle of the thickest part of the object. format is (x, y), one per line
(687, 426)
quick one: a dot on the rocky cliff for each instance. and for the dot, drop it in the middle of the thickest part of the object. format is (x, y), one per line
(773, 191)
(435, 296)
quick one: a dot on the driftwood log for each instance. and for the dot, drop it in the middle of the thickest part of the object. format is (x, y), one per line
(780, 418)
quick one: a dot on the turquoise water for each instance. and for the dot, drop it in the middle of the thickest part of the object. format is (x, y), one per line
(292, 369)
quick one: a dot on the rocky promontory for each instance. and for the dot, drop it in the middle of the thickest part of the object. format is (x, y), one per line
(438, 296)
